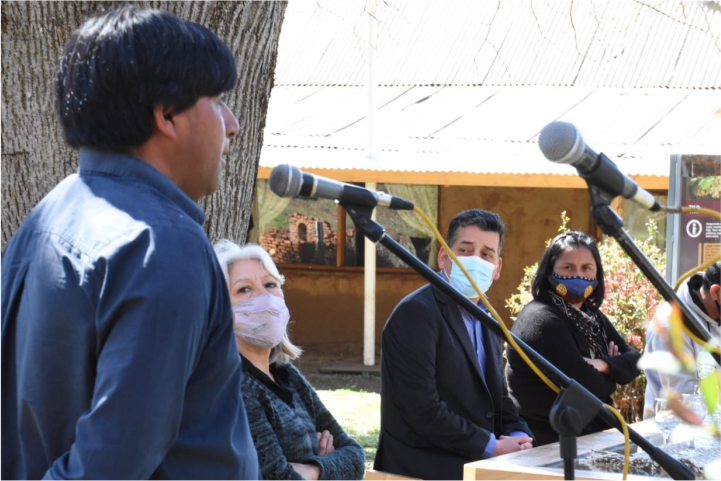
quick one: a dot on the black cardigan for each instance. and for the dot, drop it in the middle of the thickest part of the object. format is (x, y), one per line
(284, 419)
(550, 333)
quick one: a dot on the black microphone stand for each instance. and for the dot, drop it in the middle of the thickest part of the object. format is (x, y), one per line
(573, 405)
(612, 225)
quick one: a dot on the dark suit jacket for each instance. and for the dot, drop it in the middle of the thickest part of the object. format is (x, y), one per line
(438, 410)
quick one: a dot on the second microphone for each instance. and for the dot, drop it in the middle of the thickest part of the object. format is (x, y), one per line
(289, 181)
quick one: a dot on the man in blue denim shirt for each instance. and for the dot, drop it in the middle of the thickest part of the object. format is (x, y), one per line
(118, 355)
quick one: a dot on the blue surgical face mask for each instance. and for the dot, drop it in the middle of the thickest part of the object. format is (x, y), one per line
(480, 270)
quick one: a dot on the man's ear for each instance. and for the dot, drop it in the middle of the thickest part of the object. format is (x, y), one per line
(164, 120)
(497, 274)
(715, 291)
(442, 258)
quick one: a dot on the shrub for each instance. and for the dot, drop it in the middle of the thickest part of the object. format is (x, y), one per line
(630, 302)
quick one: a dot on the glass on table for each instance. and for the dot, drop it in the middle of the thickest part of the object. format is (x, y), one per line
(695, 403)
(665, 418)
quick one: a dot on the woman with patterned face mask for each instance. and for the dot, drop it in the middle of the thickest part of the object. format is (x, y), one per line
(564, 324)
(295, 435)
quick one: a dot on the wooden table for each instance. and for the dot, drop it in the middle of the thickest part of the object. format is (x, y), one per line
(544, 462)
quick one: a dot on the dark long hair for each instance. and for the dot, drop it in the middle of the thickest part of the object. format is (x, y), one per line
(541, 286)
(117, 67)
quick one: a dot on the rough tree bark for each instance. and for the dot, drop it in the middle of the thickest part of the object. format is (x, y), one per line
(34, 156)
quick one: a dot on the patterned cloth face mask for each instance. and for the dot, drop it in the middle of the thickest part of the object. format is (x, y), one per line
(573, 289)
(261, 321)
(480, 270)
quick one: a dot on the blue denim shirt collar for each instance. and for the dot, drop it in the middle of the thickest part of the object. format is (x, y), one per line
(128, 166)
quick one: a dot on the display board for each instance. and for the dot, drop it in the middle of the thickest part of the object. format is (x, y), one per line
(692, 239)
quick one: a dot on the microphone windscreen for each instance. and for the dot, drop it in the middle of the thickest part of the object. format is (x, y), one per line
(285, 180)
(559, 139)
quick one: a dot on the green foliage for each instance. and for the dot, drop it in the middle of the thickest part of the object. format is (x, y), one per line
(631, 299)
(630, 302)
(516, 302)
(705, 187)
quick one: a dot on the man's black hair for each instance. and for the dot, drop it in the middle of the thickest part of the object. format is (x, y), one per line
(119, 65)
(541, 286)
(712, 276)
(484, 220)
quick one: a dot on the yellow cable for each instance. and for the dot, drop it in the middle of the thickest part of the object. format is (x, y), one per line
(693, 271)
(702, 211)
(626, 437)
(698, 341)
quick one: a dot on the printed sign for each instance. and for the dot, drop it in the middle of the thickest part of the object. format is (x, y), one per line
(700, 239)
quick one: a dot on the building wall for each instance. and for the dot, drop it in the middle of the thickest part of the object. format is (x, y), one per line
(327, 305)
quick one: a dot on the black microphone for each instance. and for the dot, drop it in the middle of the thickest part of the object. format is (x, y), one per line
(562, 142)
(289, 181)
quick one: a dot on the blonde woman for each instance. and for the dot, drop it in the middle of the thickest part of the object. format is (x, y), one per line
(295, 435)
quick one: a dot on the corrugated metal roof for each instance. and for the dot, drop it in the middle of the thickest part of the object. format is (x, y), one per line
(487, 129)
(614, 43)
(468, 85)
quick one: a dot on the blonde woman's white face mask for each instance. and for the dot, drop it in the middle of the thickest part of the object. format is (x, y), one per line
(261, 320)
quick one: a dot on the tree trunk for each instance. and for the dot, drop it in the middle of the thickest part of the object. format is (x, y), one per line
(34, 156)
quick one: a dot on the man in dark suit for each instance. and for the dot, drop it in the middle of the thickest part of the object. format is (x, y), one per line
(444, 400)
